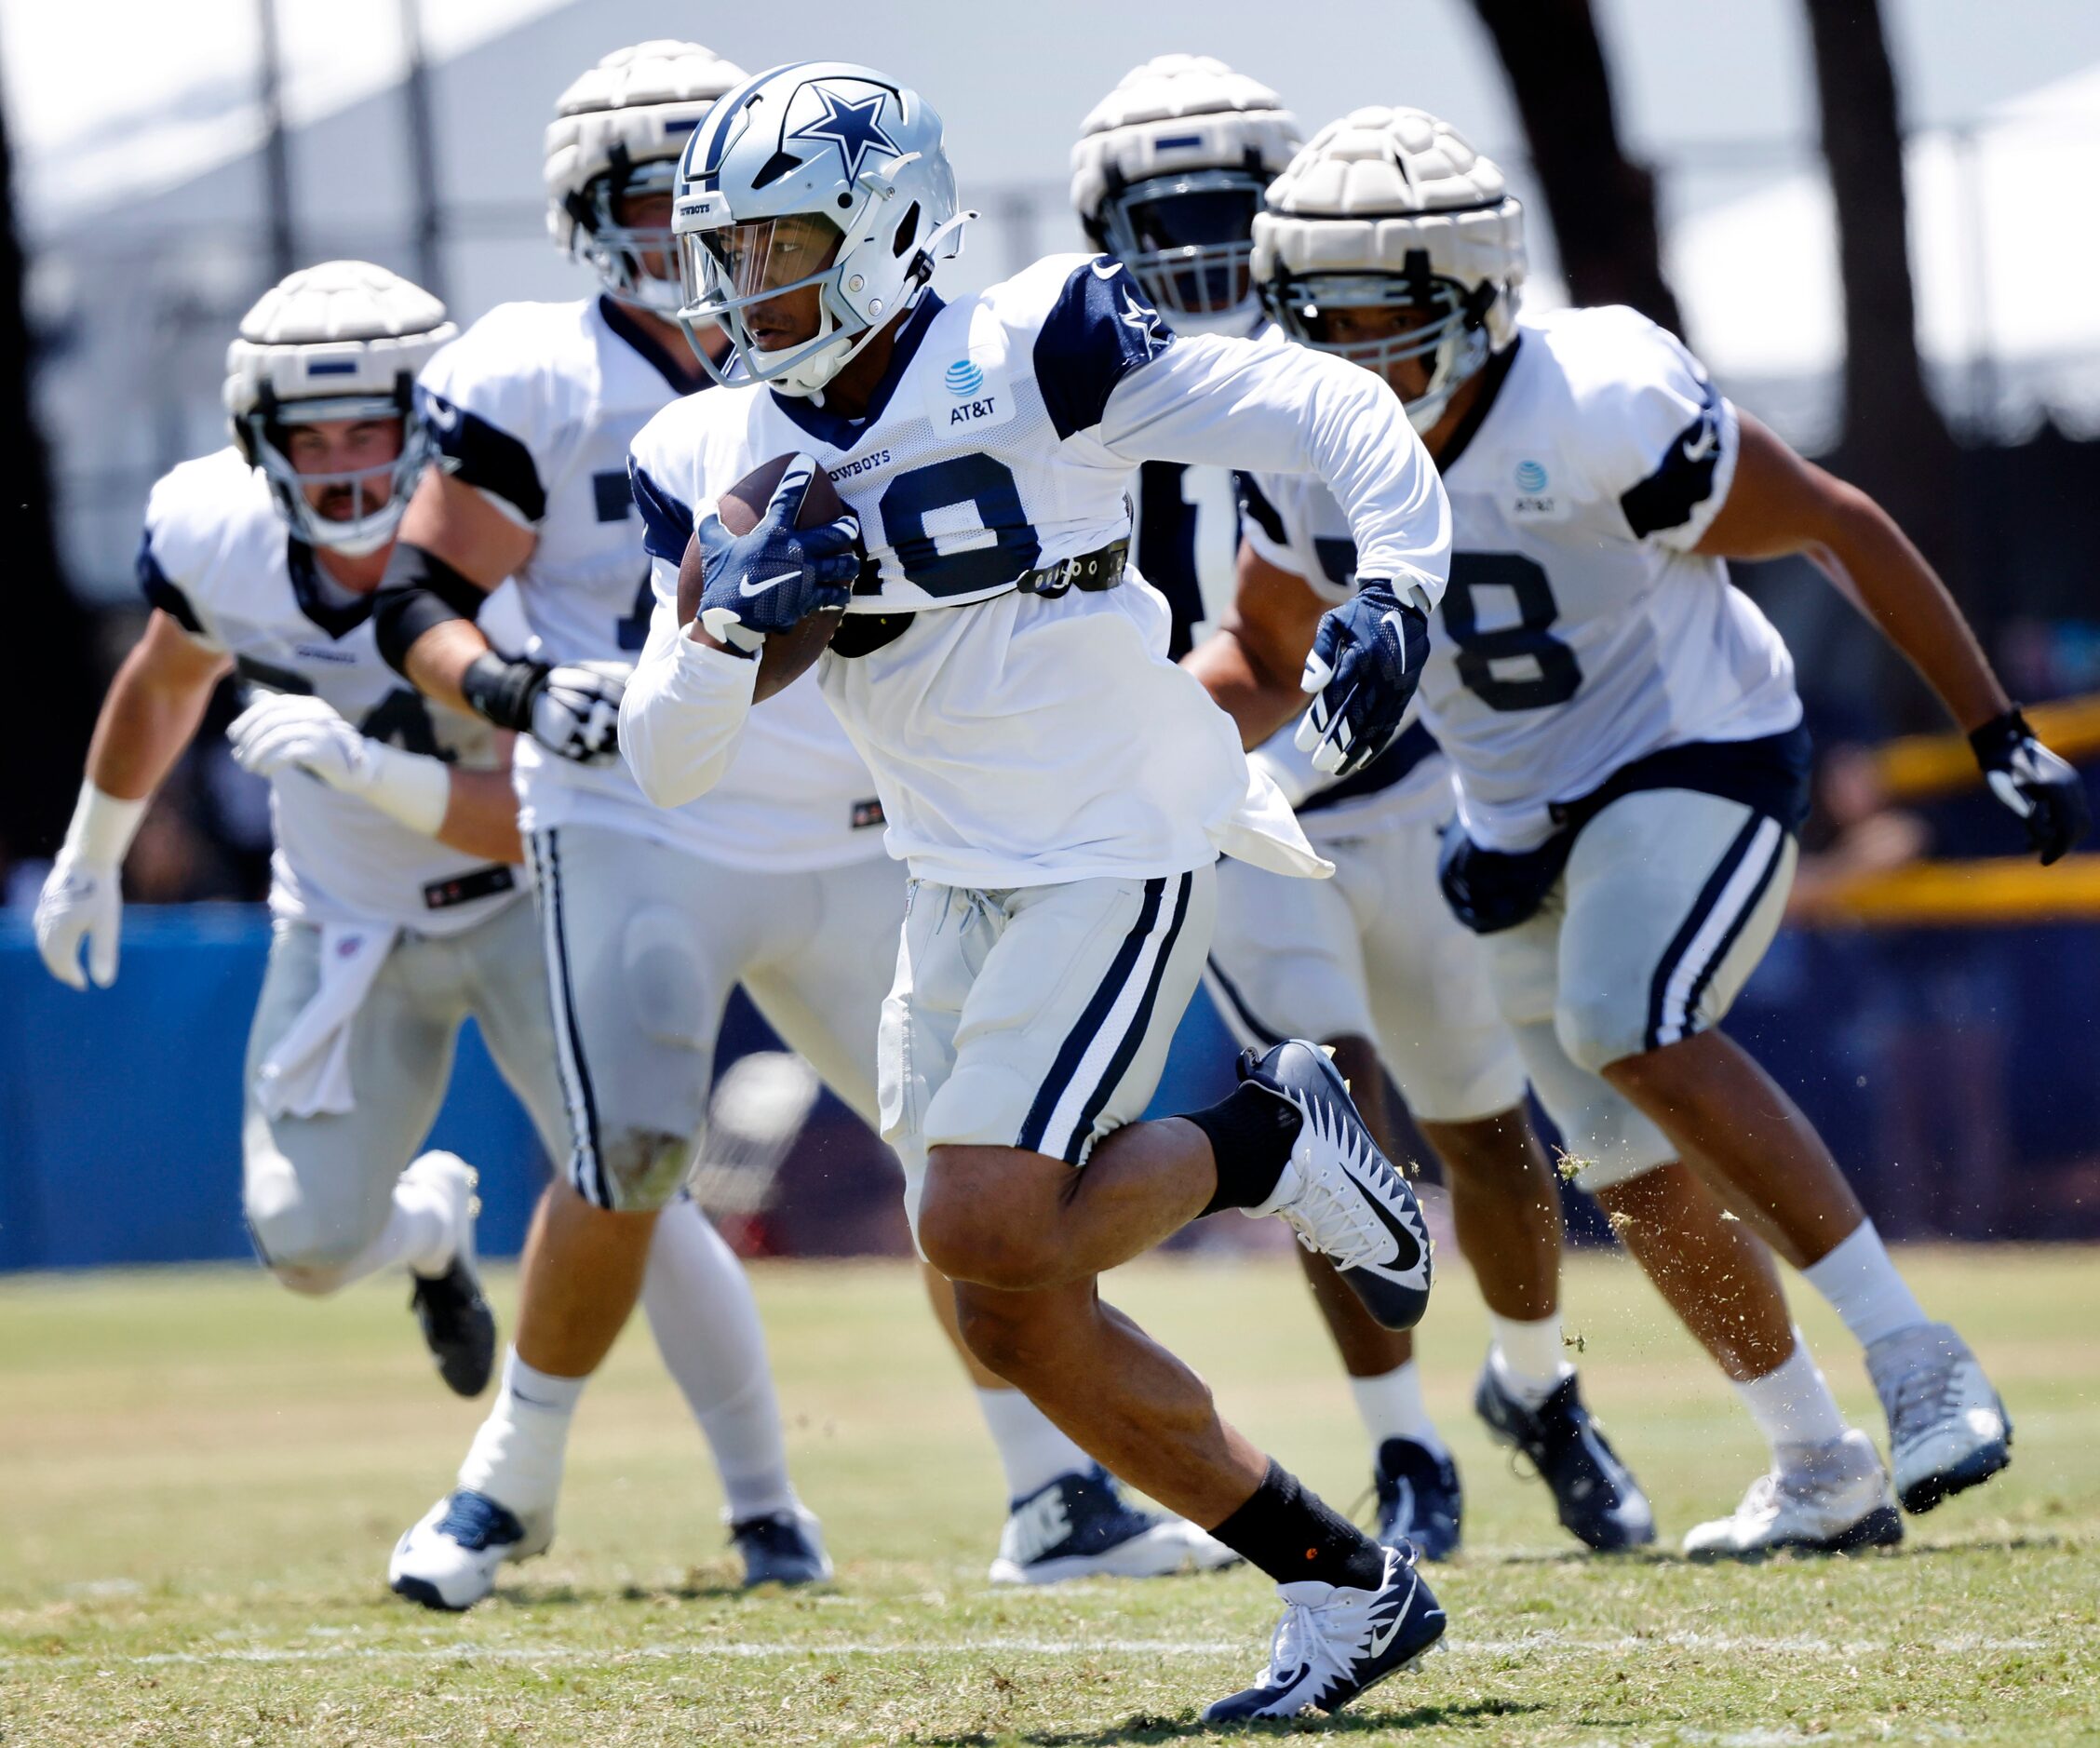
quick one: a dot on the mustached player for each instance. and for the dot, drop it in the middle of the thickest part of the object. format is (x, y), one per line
(1167, 175)
(1627, 744)
(1058, 789)
(395, 905)
(649, 919)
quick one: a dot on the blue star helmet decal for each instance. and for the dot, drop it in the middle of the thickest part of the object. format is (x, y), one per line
(854, 128)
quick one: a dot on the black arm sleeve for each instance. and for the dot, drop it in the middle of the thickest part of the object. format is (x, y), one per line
(419, 590)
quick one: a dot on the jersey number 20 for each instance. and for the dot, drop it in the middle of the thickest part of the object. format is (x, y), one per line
(1557, 677)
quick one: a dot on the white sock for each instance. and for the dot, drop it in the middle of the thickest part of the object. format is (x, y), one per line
(1792, 1405)
(515, 1458)
(1032, 1450)
(1528, 1358)
(700, 1309)
(1864, 1289)
(1391, 1405)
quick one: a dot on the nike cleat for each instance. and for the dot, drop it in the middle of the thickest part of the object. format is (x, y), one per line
(1947, 1428)
(458, 1326)
(1595, 1494)
(448, 1559)
(782, 1548)
(1418, 1499)
(1831, 1498)
(1333, 1642)
(1338, 1192)
(1080, 1526)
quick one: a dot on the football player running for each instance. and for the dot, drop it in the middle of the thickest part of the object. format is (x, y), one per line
(1628, 749)
(649, 917)
(394, 900)
(1167, 175)
(1058, 789)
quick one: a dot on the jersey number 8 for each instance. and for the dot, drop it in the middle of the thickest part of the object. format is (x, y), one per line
(1557, 677)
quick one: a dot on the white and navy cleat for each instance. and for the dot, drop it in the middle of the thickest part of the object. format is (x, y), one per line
(782, 1548)
(449, 1558)
(1596, 1496)
(1333, 1642)
(458, 1327)
(1338, 1192)
(1080, 1526)
(1419, 1499)
(1947, 1428)
(1831, 1498)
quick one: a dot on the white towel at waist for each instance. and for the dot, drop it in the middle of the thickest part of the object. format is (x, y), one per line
(1264, 832)
(308, 1072)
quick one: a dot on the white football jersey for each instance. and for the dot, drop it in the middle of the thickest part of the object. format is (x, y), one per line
(1019, 738)
(219, 558)
(535, 405)
(1579, 632)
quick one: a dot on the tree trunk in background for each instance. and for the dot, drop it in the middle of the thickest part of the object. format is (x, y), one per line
(51, 687)
(1893, 444)
(1601, 204)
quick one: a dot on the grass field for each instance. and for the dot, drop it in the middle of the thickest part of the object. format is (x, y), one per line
(200, 1477)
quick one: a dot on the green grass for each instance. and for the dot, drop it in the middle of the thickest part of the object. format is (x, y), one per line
(200, 1477)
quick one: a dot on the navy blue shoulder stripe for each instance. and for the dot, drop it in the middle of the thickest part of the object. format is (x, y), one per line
(667, 521)
(161, 591)
(1101, 329)
(484, 455)
(1684, 480)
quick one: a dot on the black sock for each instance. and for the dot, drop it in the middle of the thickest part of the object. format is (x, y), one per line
(1251, 1133)
(1291, 1534)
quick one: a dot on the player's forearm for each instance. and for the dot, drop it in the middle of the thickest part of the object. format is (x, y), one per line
(482, 816)
(1900, 593)
(682, 715)
(1249, 688)
(146, 721)
(437, 663)
(1227, 403)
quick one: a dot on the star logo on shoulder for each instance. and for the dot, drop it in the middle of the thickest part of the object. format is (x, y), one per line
(854, 128)
(1143, 322)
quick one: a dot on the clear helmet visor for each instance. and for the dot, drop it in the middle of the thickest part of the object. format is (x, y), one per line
(625, 237)
(1419, 333)
(749, 280)
(351, 510)
(1188, 241)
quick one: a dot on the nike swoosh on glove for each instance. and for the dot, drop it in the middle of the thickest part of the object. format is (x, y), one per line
(777, 575)
(2033, 783)
(1367, 661)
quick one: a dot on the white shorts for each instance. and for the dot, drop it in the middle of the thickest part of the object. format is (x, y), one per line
(1667, 903)
(1037, 1018)
(1372, 953)
(316, 1190)
(644, 943)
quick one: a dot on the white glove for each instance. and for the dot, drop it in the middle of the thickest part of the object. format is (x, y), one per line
(79, 899)
(281, 734)
(84, 895)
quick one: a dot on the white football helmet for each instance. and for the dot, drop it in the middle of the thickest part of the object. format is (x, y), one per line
(344, 340)
(617, 132)
(818, 174)
(1167, 176)
(1391, 208)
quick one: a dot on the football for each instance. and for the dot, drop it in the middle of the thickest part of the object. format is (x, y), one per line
(788, 654)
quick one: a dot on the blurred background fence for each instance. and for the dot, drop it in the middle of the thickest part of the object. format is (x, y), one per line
(1871, 220)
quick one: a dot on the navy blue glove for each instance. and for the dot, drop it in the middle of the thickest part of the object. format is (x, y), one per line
(1367, 661)
(777, 575)
(2030, 780)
